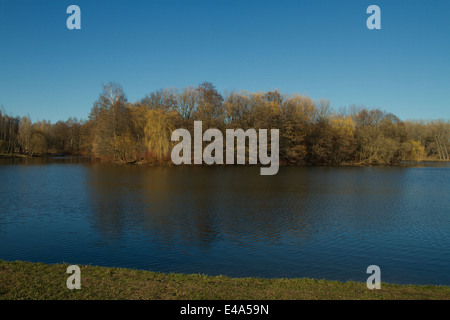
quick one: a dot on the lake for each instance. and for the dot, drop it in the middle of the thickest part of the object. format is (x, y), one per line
(316, 222)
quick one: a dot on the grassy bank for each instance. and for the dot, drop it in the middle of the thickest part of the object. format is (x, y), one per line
(25, 280)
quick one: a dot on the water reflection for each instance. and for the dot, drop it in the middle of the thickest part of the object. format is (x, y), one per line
(316, 222)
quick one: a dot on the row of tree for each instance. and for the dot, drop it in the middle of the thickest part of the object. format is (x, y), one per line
(311, 132)
(20, 135)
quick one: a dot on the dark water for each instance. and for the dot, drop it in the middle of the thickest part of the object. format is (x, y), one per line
(314, 222)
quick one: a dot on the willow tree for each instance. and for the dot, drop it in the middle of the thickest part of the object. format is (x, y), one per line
(412, 150)
(158, 130)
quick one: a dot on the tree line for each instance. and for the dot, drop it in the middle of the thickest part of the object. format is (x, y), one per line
(311, 132)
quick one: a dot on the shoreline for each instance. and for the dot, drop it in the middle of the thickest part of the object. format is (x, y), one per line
(37, 281)
(168, 164)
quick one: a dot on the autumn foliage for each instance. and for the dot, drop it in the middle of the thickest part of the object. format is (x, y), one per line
(311, 132)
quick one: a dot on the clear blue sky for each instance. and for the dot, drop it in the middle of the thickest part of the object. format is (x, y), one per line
(317, 48)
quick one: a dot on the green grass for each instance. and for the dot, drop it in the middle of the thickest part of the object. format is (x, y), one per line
(26, 280)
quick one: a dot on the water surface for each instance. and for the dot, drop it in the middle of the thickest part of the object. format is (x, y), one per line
(317, 222)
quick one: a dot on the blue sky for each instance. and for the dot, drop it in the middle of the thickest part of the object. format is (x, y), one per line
(317, 48)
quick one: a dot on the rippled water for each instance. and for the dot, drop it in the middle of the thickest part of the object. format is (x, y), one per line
(316, 222)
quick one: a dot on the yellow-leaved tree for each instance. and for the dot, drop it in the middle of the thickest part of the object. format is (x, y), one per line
(158, 130)
(412, 150)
